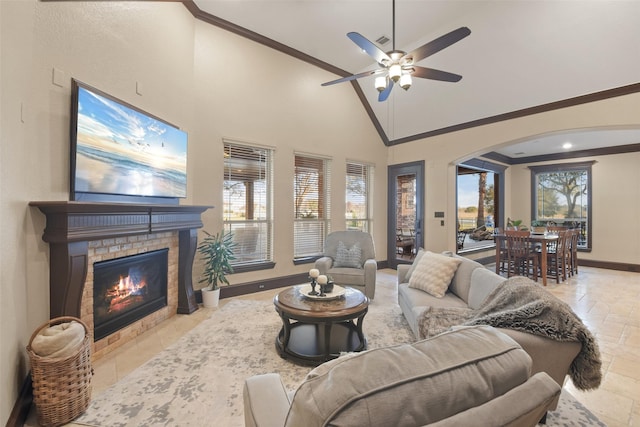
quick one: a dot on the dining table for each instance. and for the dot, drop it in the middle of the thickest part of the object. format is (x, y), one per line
(542, 238)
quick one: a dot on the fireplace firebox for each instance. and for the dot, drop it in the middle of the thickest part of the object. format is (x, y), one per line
(127, 289)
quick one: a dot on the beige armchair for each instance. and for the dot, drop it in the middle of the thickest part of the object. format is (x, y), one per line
(350, 259)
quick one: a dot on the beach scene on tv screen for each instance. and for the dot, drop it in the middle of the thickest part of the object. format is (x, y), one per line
(122, 151)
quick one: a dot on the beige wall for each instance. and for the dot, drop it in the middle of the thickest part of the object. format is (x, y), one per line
(268, 98)
(214, 85)
(615, 178)
(616, 203)
(204, 80)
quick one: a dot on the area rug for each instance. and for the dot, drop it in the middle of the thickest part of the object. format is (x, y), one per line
(198, 380)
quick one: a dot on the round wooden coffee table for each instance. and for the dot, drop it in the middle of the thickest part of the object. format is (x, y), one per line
(316, 330)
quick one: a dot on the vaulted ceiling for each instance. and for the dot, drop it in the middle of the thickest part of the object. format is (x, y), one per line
(522, 56)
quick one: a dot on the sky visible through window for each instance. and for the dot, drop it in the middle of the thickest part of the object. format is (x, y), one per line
(468, 190)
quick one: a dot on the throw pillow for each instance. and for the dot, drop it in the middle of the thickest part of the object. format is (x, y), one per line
(350, 257)
(434, 273)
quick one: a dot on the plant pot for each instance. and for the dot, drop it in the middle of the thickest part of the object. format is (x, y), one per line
(210, 298)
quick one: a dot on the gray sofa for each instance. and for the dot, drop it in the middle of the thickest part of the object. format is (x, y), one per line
(468, 376)
(469, 286)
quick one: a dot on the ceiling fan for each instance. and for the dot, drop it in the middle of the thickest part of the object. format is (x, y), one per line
(399, 66)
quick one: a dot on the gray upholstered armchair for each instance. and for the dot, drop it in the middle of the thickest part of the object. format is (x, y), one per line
(350, 259)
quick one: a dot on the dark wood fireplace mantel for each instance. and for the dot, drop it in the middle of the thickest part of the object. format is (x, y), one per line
(71, 225)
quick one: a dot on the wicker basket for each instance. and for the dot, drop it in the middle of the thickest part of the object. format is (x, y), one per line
(61, 386)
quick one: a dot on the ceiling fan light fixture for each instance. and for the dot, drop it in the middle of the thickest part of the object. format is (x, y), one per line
(395, 71)
(381, 83)
(405, 81)
(398, 65)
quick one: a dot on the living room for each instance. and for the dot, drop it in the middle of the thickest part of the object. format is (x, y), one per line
(215, 85)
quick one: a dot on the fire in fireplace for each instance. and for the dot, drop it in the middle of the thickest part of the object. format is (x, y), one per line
(127, 289)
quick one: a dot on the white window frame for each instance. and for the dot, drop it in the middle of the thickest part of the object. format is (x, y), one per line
(247, 165)
(359, 219)
(312, 207)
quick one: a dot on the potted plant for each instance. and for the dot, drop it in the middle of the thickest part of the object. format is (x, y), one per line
(538, 227)
(217, 254)
(515, 224)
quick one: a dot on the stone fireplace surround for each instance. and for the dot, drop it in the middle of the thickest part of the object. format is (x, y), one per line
(81, 233)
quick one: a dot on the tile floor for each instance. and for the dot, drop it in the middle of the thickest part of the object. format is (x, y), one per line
(608, 302)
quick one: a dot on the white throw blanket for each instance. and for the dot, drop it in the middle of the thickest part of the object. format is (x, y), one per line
(58, 341)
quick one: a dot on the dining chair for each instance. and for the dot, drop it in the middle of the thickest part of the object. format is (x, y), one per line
(572, 252)
(521, 255)
(501, 245)
(557, 256)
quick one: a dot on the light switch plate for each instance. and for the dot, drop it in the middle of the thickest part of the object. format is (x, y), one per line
(58, 77)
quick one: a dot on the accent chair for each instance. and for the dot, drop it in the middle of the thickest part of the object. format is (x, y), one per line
(350, 259)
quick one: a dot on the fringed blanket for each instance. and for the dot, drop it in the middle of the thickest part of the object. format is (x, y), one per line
(520, 304)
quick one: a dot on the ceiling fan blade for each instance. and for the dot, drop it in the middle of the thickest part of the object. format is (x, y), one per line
(353, 77)
(369, 47)
(433, 74)
(436, 45)
(385, 93)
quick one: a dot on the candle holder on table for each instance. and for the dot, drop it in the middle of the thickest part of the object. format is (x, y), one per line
(322, 281)
(313, 275)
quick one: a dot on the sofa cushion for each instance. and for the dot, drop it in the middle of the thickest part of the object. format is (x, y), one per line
(348, 257)
(416, 260)
(461, 281)
(433, 273)
(347, 276)
(420, 298)
(412, 384)
(483, 282)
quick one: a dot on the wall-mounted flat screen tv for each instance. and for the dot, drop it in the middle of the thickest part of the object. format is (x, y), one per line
(121, 153)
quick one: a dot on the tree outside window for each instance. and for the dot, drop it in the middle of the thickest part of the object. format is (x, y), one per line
(480, 203)
(561, 195)
(476, 199)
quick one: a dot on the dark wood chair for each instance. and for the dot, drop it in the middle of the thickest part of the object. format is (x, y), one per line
(501, 245)
(521, 255)
(572, 252)
(557, 256)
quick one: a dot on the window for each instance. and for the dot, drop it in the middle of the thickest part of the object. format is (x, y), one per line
(311, 204)
(358, 196)
(561, 194)
(247, 202)
(480, 191)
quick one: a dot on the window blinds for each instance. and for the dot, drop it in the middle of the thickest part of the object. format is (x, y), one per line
(311, 205)
(248, 177)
